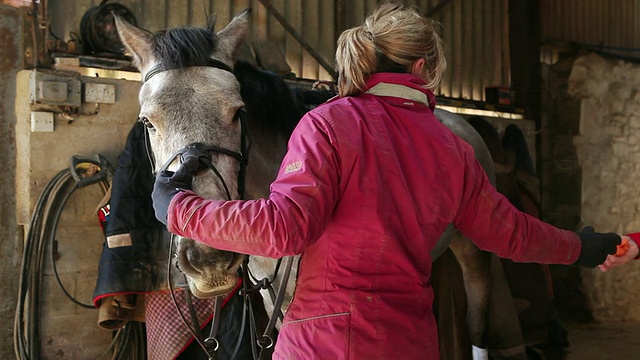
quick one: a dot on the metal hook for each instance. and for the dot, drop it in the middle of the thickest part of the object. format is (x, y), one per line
(265, 342)
(210, 341)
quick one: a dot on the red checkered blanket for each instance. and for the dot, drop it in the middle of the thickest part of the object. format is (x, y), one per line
(167, 335)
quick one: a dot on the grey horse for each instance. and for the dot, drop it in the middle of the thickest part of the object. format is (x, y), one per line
(191, 94)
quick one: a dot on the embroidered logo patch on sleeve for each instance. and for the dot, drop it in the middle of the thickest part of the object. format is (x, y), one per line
(294, 166)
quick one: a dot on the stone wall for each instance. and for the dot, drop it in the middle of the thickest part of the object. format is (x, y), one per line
(608, 151)
(68, 330)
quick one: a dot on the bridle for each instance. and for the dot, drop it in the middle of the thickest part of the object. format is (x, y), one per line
(241, 156)
(210, 344)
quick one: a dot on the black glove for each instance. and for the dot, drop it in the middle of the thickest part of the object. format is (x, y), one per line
(168, 184)
(596, 247)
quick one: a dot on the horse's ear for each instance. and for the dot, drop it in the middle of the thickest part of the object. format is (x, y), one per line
(138, 42)
(233, 35)
(211, 22)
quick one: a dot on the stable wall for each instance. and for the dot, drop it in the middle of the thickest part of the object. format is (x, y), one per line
(68, 330)
(608, 151)
(10, 237)
(475, 31)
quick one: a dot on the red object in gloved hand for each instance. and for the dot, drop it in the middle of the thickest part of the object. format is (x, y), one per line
(623, 247)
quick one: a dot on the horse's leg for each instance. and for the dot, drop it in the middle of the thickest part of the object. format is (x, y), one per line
(450, 308)
(476, 275)
(504, 333)
(491, 315)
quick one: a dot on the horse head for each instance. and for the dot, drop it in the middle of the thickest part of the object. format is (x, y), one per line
(189, 95)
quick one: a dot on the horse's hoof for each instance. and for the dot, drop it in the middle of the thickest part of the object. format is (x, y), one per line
(204, 292)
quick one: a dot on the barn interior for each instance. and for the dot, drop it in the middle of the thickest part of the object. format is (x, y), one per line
(562, 72)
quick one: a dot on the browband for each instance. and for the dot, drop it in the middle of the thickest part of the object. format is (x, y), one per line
(159, 68)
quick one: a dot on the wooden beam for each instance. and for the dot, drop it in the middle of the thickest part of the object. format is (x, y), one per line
(436, 9)
(524, 53)
(303, 42)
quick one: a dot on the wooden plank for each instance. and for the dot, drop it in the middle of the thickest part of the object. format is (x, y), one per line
(154, 18)
(138, 8)
(491, 51)
(293, 49)
(436, 7)
(340, 16)
(446, 19)
(356, 13)
(176, 14)
(636, 30)
(199, 11)
(310, 68)
(299, 35)
(327, 44)
(506, 44)
(238, 5)
(369, 7)
(468, 37)
(222, 11)
(275, 30)
(259, 22)
(478, 67)
(457, 45)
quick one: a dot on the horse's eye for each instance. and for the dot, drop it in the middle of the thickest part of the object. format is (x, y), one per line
(146, 122)
(239, 114)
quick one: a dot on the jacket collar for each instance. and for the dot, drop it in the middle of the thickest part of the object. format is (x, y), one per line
(405, 86)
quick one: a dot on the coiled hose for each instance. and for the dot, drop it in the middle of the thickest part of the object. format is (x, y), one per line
(41, 234)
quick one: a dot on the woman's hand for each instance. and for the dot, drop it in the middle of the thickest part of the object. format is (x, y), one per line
(615, 260)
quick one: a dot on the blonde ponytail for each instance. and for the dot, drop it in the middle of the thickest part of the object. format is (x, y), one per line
(390, 40)
(356, 56)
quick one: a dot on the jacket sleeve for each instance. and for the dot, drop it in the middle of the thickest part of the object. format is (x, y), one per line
(299, 206)
(487, 218)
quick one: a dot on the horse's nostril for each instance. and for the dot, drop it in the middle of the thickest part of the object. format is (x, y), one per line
(235, 263)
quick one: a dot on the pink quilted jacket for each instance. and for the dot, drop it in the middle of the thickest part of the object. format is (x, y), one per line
(367, 187)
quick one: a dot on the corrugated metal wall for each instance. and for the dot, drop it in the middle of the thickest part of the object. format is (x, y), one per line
(477, 42)
(609, 26)
(475, 31)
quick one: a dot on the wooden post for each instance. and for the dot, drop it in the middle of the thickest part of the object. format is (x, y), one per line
(524, 50)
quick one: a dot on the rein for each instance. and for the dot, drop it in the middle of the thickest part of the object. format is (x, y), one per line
(210, 344)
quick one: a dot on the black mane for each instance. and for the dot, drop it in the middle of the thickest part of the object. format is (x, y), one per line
(184, 47)
(268, 97)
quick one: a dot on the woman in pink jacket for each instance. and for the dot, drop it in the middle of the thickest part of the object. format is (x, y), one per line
(369, 183)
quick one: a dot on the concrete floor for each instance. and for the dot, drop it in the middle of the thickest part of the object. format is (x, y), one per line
(603, 341)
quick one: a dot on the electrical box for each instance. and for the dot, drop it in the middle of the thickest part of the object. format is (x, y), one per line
(54, 89)
(41, 121)
(100, 93)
